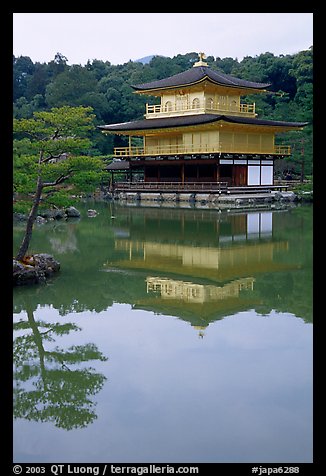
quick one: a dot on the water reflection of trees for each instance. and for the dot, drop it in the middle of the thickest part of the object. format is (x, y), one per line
(283, 284)
(54, 385)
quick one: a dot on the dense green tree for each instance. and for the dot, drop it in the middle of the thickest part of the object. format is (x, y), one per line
(98, 68)
(183, 62)
(165, 67)
(142, 74)
(24, 109)
(23, 68)
(98, 102)
(58, 65)
(36, 84)
(303, 72)
(51, 149)
(303, 67)
(70, 87)
(227, 65)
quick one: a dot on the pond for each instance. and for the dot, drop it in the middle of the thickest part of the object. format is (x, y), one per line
(169, 335)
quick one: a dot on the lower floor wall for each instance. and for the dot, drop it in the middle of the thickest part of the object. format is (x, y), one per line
(236, 172)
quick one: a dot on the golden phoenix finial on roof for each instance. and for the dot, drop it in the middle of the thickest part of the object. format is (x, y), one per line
(201, 57)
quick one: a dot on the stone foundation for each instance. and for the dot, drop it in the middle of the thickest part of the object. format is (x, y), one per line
(211, 199)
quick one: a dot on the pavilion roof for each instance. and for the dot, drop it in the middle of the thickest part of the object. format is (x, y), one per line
(118, 165)
(198, 74)
(193, 120)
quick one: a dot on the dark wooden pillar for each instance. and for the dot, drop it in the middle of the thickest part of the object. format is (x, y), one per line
(217, 172)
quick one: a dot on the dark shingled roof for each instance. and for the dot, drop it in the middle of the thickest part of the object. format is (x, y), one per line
(118, 165)
(198, 74)
(193, 120)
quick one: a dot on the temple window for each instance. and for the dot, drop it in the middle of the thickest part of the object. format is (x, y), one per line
(233, 105)
(168, 106)
(195, 103)
(210, 103)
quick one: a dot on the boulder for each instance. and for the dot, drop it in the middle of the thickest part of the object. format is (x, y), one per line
(91, 212)
(46, 263)
(40, 220)
(34, 269)
(47, 214)
(72, 212)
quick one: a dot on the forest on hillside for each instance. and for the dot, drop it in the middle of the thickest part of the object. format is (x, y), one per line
(107, 89)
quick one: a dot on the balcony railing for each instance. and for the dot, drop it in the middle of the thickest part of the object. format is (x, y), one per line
(193, 187)
(155, 110)
(282, 150)
(218, 148)
(171, 186)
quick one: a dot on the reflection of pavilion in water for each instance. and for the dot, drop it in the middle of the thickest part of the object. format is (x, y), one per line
(238, 253)
(191, 293)
(230, 259)
(197, 293)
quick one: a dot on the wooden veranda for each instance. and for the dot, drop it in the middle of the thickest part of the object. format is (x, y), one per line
(192, 187)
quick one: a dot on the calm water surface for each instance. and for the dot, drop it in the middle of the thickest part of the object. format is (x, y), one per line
(170, 335)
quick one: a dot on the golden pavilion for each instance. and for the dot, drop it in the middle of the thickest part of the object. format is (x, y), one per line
(200, 132)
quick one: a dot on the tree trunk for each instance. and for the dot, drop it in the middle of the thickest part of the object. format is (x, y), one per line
(30, 221)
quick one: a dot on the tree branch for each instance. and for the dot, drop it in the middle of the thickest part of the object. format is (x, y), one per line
(60, 179)
(47, 159)
(56, 134)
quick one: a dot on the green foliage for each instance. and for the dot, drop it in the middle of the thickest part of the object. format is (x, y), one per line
(69, 87)
(303, 188)
(107, 89)
(56, 198)
(55, 145)
(21, 206)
